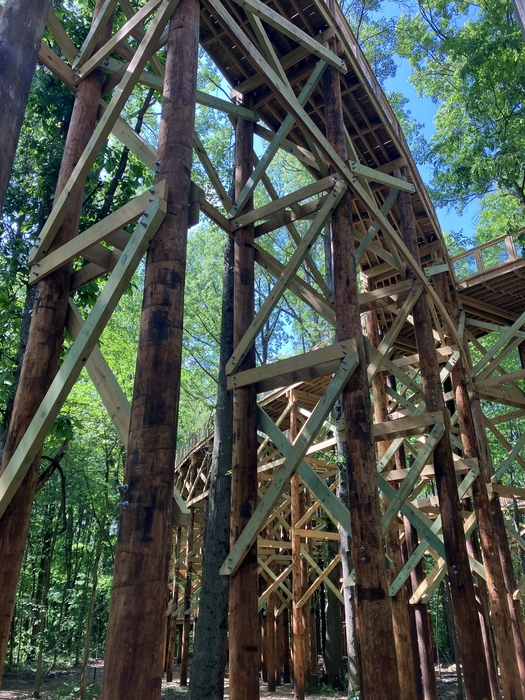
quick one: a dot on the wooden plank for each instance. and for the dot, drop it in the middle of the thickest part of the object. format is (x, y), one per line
(414, 474)
(278, 290)
(498, 346)
(325, 496)
(119, 37)
(56, 65)
(199, 149)
(293, 460)
(284, 574)
(316, 534)
(316, 363)
(277, 140)
(502, 379)
(277, 21)
(443, 355)
(98, 232)
(113, 398)
(77, 356)
(323, 185)
(426, 541)
(508, 398)
(403, 427)
(101, 132)
(96, 29)
(61, 37)
(386, 345)
(319, 580)
(509, 459)
(461, 466)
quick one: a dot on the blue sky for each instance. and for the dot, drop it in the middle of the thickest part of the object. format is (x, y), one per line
(423, 110)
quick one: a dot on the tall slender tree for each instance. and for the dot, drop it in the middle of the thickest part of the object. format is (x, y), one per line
(21, 27)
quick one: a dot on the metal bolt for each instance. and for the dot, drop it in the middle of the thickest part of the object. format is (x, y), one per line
(122, 487)
(361, 549)
(123, 504)
(363, 560)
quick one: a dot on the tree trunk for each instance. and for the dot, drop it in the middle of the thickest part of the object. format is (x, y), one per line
(21, 27)
(209, 654)
(244, 620)
(43, 352)
(333, 652)
(141, 562)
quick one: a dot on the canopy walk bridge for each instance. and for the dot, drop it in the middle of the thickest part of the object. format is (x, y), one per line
(300, 84)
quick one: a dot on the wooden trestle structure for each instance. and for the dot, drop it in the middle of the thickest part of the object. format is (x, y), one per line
(300, 82)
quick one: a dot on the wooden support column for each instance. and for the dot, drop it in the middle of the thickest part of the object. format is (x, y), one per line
(272, 606)
(43, 352)
(475, 672)
(188, 565)
(500, 615)
(375, 635)
(425, 637)
(172, 633)
(423, 649)
(400, 618)
(286, 645)
(299, 622)
(500, 538)
(141, 565)
(244, 618)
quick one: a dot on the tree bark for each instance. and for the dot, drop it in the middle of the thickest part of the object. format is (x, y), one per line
(373, 610)
(469, 634)
(134, 662)
(209, 654)
(244, 619)
(42, 353)
(22, 24)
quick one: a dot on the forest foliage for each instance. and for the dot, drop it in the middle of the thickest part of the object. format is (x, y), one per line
(468, 57)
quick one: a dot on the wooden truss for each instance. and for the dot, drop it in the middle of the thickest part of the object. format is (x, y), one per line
(277, 54)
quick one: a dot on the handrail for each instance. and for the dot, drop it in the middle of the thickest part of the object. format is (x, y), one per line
(199, 436)
(476, 254)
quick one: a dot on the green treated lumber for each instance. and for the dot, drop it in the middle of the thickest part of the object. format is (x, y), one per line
(77, 356)
(498, 345)
(409, 481)
(277, 21)
(278, 290)
(98, 26)
(309, 477)
(100, 231)
(119, 37)
(276, 142)
(387, 343)
(102, 130)
(420, 550)
(327, 183)
(509, 459)
(290, 466)
(374, 227)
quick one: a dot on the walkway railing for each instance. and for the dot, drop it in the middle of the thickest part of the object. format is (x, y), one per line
(202, 434)
(487, 255)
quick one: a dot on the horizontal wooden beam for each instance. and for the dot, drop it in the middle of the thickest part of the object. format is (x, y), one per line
(300, 368)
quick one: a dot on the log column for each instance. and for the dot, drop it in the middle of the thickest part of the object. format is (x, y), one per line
(133, 661)
(244, 618)
(475, 672)
(400, 618)
(374, 631)
(300, 640)
(188, 565)
(43, 349)
(500, 615)
(500, 538)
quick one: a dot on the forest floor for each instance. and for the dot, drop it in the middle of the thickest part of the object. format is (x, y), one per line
(63, 685)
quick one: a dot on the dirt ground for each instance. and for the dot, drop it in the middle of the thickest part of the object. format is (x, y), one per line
(62, 684)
